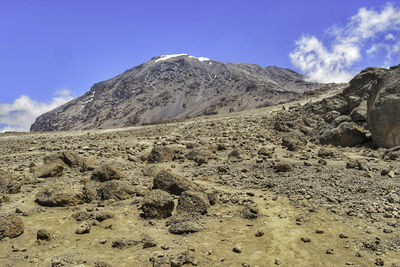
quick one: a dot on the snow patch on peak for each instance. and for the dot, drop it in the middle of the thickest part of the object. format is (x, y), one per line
(200, 58)
(166, 57)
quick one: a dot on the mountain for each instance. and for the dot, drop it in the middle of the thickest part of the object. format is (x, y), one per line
(175, 87)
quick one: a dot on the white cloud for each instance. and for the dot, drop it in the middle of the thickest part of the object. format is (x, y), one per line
(19, 115)
(334, 61)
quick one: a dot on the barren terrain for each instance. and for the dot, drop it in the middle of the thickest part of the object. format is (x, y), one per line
(253, 201)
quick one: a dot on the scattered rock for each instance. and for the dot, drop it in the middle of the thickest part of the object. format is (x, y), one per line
(157, 204)
(83, 228)
(58, 195)
(11, 226)
(294, 141)
(250, 212)
(43, 234)
(192, 202)
(237, 248)
(185, 225)
(8, 184)
(106, 173)
(115, 189)
(199, 156)
(161, 154)
(171, 183)
(283, 166)
(324, 152)
(267, 151)
(234, 154)
(52, 170)
(305, 239)
(124, 243)
(259, 233)
(148, 241)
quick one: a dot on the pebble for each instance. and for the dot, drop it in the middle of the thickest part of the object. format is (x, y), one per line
(237, 248)
(305, 239)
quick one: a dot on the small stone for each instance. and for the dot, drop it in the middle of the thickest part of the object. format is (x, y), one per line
(329, 251)
(259, 233)
(379, 262)
(342, 235)
(237, 248)
(305, 239)
(43, 234)
(148, 241)
(319, 231)
(277, 262)
(83, 228)
(283, 166)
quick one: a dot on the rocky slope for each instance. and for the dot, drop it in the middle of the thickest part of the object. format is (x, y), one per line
(366, 113)
(252, 188)
(175, 87)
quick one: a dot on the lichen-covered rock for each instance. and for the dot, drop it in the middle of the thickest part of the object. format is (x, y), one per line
(11, 226)
(157, 204)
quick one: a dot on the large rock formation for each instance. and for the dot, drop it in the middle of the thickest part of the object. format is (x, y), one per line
(175, 87)
(384, 109)
(379, 88)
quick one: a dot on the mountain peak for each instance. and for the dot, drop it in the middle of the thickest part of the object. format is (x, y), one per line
(167, 57)
(175, 86)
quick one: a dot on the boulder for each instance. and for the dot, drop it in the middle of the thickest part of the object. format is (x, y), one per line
(106, 173)
(157, 204)
(59, 195)
(384, 109)
(346, 134)
(193, 202)
(171, 183)
(11, 226)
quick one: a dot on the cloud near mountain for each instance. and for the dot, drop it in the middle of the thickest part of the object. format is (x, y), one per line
(368, 35)
(19, 115)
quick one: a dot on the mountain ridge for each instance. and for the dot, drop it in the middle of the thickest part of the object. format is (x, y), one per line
(175, 87)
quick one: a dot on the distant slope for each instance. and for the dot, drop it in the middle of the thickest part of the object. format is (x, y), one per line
(175, 87)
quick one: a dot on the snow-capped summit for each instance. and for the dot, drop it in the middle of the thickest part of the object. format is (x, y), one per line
(166, 57)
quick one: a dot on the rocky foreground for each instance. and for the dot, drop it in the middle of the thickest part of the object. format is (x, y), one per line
(257, 188)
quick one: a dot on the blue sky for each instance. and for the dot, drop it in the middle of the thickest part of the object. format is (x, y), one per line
(51, 51)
